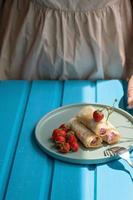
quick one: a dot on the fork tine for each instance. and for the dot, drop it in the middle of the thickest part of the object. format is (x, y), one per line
(122, 152)
(107, 153)
(111, 153)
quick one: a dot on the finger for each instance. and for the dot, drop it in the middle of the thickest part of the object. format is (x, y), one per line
(130, 86)
(130, 100)
(130, 106)
(130, 93)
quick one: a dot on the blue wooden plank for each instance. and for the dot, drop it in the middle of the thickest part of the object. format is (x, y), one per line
(75, 182)
(108, 91)
(13, 99)
(32, 169)
(115, 179)
(79, 92)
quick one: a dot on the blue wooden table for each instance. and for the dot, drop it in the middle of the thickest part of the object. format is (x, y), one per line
(27, 173)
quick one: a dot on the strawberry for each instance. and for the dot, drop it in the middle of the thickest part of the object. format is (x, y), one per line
(71, 138)
(62, 132)
(60, 139)
(98, 115)
(64, 148)
(63, 127)
(58, 132)
(55, 133)
(74, 146)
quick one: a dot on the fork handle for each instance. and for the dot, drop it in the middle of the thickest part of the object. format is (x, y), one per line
(129, 162)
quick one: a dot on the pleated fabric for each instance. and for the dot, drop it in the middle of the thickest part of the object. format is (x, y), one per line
(66, 39)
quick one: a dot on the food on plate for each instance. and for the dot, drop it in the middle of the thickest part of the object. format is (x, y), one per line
(86, 136)
(112, 136)
(103, 128)
(98, 115)
(58, 132)
(74, 146)
(89, 113)
(64, 148)
(63, 127)
(90, 126)
(64, 139)
(71, 137)
(60, 139)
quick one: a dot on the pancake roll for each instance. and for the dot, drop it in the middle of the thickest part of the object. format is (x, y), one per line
(103, 129)
(86, 136)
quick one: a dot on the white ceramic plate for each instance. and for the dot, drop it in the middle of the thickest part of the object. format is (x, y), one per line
(119, 118)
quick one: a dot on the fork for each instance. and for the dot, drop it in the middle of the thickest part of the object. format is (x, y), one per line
(122, 152)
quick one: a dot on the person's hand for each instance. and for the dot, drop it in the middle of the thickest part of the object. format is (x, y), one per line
(130, 92)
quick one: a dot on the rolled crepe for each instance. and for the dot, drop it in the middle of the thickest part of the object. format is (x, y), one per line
(103, 129)
(86, 114)
(112, 136)
(86, 136)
